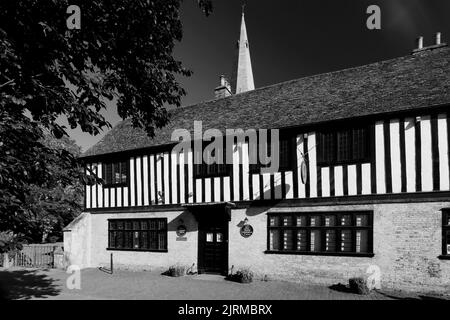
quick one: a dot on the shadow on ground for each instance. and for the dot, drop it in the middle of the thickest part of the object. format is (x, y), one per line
(340, 288)
(390, 295)
(416, 297)
(25, 284)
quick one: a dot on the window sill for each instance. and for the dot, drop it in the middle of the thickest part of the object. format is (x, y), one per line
(118, 185)
(341, 163)
(138, 250)
(280, 170)
(339, 254)
(212, 176)
(444, 257)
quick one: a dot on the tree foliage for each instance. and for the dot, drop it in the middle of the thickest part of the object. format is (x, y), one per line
(40, 178)
(123, 49)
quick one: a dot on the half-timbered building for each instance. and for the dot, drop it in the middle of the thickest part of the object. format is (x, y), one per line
(363, 182)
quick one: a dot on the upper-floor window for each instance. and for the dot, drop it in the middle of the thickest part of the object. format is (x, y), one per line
(213, 169)
(115, 173)
(446, 233)
(349, 145)
(285, 160)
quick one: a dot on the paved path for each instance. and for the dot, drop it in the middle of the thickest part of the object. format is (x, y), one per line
(96, 284)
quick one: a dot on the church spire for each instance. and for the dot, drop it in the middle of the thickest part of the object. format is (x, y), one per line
(244, 78)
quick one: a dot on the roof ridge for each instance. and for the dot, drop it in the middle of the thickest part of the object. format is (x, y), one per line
(412, 84)
(312, 76)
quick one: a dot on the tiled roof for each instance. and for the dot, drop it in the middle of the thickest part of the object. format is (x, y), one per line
(409, 82)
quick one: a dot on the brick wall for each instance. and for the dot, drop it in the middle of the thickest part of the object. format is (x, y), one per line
(407, 242)
(181, 252)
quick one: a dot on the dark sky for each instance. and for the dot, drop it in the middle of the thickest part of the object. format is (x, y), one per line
(291, 39)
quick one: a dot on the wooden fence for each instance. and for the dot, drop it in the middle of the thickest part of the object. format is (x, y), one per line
(35, 256)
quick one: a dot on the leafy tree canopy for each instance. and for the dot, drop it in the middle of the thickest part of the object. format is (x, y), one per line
(124, 49)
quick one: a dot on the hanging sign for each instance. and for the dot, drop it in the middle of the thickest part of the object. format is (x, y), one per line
(181, 233)
(246, 230)
(304, 172)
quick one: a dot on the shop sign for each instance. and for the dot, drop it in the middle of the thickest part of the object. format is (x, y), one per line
(246, 230)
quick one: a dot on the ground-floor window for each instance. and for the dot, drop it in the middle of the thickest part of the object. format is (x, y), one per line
(446, 232)
(332, 233)
(138, 234)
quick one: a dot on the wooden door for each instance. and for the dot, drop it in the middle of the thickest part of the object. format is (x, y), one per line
(213, 246)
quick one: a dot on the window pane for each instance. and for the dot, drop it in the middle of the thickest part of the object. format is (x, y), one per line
(128, 235)
(112, 225)
(128, 225)
(136, 239)
(360, 143)
(119, 225)
(287, 221)
(162, 241)
(274, 240)
(315, 221)
(152, 224)
(161, 224)
(346, 241)
(274, 221)
(153, 240)
(287, 240)
(330, 240)
(315, 241)
(362, 241)
(346, 220)
(284, 154)
(343, 145)
(301, 240)
(119, 239)
(219, 237)
(330, 221)
(209, 237)
(362, 220)
(123, 172)
(108, 178)
(301, 221)
(144, 239)
(326, 147)
(112, 239)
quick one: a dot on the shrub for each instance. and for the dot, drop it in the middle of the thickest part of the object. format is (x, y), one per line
(176, 271)
(241, 276)
(358, 285)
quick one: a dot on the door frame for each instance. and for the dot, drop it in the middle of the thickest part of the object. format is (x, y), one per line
(222, 221)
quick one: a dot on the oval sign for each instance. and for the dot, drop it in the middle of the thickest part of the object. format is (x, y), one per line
(181, 231)
(304, 172)
(246, 230)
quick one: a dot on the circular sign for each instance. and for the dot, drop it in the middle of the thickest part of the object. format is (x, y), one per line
(304, 172)
(246, 230)
(181, 231)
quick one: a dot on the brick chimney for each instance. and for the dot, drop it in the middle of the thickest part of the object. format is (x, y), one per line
(224, 90)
